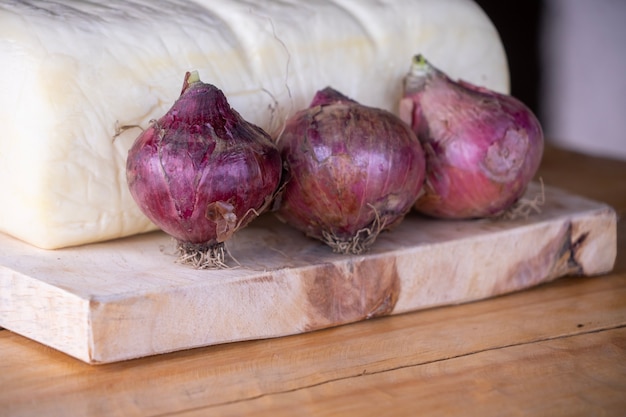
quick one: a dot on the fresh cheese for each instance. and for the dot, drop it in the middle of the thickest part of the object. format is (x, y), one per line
(74, 71)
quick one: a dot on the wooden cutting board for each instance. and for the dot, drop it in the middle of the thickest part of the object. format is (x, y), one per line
(128, 298)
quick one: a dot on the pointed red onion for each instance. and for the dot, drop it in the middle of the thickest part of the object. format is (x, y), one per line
(355, 171)
(482, 148)
(201, 172)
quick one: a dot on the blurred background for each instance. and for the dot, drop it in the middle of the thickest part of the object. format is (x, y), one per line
(567, 61)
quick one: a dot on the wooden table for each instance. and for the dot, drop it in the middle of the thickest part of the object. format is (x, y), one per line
(557, 349)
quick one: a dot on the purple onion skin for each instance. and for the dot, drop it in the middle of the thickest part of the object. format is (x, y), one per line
(482, 148)
(348, 163)
(200, 170)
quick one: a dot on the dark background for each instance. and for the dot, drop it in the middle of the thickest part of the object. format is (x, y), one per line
(518, 23)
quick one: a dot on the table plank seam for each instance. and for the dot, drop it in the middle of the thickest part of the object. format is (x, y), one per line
(365, 372)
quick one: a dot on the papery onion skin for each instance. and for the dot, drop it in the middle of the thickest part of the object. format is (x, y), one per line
(201, 172)
(353, 170)
(482, 148)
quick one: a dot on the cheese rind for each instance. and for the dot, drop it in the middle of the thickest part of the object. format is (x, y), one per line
(73, 71)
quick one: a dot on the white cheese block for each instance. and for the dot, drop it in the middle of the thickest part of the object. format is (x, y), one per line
(73, 70)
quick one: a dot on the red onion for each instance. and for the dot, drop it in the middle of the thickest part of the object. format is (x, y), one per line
(482, 148)
(201, 172)
(355, 171)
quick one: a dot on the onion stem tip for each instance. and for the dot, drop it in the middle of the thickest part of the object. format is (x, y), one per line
(420, 67)
(194, 77)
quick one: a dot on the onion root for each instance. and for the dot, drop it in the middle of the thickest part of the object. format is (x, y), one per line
(362, 240)
(202, 256)
(525, 207)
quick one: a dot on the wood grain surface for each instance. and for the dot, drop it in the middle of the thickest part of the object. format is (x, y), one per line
(555, 349)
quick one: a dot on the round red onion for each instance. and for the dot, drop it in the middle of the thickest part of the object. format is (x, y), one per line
(482, 148)
(201, 172)
(355, 171)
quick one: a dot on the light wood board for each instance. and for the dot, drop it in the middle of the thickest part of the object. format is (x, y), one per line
(128, 298)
